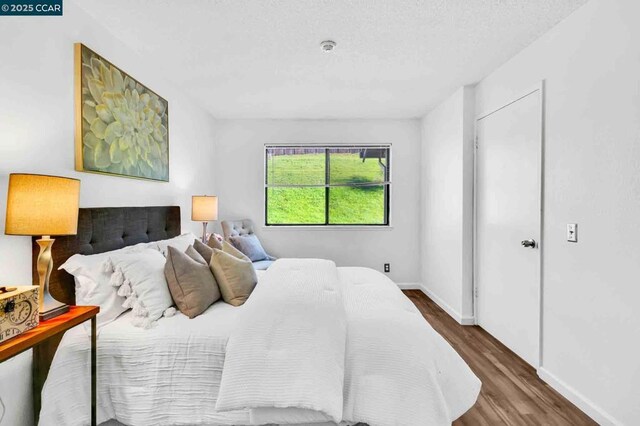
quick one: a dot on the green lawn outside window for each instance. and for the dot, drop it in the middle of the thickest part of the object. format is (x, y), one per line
(297, 192)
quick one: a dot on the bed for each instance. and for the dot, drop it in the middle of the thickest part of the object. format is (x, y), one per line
(367, 356)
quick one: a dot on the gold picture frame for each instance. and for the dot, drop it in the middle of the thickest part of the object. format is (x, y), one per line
(122, 126)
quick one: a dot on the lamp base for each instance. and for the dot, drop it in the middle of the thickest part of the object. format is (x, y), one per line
(47, 305)
(204, 232)
(54, 312)
(51, 308)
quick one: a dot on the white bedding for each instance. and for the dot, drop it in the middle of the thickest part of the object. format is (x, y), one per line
(167, 375)
(288, 348)
(170, 375)
(346, 345)
(398, 370)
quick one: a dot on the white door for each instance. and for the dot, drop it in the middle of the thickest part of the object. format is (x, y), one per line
(508, 215)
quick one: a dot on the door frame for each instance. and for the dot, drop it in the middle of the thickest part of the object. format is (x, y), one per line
(539, 87)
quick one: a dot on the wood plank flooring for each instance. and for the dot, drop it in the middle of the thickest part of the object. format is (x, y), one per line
(512, 393)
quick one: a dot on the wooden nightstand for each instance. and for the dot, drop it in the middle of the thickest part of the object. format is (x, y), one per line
(40, 338)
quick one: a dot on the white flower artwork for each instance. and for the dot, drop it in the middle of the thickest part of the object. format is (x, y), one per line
(122, 126)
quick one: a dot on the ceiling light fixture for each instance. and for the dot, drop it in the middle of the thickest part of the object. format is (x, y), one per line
(328, 45)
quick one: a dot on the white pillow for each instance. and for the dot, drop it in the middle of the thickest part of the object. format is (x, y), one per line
(92, 274)
(181, 242)
(140, 278)
(83, 286)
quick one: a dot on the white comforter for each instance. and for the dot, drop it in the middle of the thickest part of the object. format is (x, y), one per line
(288, 348)
(394, 366)
(346, 347)
(167, 375)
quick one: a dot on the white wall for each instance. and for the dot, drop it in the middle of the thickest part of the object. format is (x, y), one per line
(37, 135)
(239, 168)
(591, 333)
(446, 213)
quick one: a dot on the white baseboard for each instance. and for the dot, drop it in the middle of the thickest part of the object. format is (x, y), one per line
(467, 321)
(579, 400)
(447, 308)
(410, 286)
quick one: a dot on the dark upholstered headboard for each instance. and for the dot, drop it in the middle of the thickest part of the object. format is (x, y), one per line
(106, 229)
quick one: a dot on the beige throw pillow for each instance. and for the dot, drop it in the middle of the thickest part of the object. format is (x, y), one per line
(236, 277)
(214, 243)
(206, 251)
(192, 286)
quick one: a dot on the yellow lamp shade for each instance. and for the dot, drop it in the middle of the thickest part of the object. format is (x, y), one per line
(42, 205)
(204, 208)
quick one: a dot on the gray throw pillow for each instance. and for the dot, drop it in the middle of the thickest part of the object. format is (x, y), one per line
(235, 276)
(228, 248)
(204, 250)
(250, 246)
(195, 255)
(191, 283)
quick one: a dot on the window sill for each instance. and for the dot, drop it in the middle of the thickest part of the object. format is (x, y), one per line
(328, 228)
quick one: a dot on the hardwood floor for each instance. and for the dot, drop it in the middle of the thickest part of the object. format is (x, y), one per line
(512, 393)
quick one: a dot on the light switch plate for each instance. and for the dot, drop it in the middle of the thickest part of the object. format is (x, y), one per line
(572, 232)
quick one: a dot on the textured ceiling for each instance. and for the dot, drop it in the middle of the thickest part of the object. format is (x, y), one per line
(262, 59)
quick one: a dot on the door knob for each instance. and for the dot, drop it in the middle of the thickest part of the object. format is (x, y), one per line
(531, 243)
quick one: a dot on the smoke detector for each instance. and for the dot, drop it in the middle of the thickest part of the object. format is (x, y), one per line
(327, 45)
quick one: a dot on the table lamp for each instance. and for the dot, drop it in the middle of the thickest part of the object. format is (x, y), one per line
(40, 205)
(203, 209)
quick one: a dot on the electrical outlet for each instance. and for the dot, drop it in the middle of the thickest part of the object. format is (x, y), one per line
(387, 267)
(572, 232)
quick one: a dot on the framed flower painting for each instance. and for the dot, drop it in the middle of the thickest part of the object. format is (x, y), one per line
(122, 127)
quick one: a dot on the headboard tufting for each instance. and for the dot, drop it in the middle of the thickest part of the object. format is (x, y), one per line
(106, 229)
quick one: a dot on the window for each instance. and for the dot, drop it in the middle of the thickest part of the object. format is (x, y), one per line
(327, 185)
